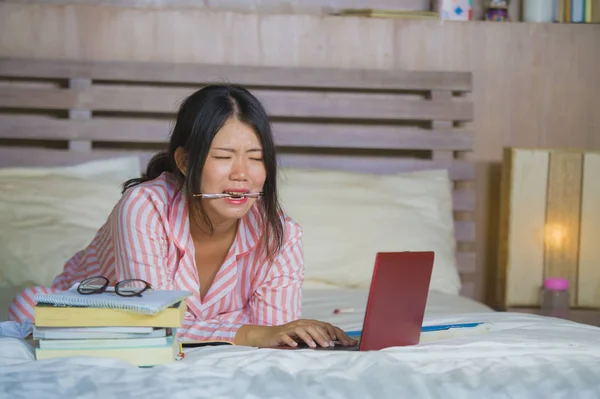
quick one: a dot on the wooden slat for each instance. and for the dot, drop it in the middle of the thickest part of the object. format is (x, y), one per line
(563, 198)
(464, 230)
(41, 98)
(245, 75)
(278, 103)
(588, 280)
(97, 129)
(466, 262)
(463, 200)
(286, 134)
(458, 170)
(524, 266)
(370, 136)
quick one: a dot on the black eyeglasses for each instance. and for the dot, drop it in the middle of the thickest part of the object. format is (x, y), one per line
(99, 284)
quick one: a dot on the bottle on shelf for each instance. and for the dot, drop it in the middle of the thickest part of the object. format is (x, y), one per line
(555, 298)
(539, 11)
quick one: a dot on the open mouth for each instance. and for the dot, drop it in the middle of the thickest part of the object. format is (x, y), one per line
(235, 194)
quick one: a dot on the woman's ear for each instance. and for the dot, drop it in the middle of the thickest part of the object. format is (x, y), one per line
(181, 160)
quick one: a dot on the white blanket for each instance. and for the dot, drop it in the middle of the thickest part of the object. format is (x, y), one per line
(525, 356)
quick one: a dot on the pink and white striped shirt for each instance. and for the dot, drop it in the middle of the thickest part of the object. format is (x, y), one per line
(147, 236)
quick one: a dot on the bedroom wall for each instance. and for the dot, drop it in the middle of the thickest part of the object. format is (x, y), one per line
(319, 7)
(535, 84)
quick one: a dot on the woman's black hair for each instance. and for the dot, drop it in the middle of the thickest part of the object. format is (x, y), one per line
(199, 119)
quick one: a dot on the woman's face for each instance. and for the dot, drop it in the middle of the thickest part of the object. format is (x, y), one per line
(234, 164)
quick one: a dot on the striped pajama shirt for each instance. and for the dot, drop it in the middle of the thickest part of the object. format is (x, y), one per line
(147, 236)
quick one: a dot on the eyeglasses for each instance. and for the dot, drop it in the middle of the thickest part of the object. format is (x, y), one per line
(99, 284)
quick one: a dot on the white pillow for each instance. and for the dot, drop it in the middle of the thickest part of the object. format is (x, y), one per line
(348, 217)
(114, 170)
(48, 214)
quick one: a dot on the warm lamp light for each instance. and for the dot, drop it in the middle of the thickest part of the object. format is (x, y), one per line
(554, 235)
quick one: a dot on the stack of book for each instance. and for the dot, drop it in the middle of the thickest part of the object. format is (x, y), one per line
(139, 330)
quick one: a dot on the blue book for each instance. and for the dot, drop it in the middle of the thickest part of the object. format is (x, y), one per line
(439, 327)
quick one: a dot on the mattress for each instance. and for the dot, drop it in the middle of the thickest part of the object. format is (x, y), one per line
(523, 356)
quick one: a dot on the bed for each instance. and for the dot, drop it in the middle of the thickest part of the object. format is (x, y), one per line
(71, 132)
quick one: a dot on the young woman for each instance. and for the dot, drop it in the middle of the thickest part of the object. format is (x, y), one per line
(241, 256)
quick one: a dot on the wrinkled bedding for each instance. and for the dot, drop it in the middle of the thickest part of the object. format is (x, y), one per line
(523, 356)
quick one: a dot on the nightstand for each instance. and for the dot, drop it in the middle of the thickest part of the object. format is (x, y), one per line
(585, 316)
(549, 219)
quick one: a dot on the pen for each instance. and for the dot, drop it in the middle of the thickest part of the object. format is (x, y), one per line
(343, 310)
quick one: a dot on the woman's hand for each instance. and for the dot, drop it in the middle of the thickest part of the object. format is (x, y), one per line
(313, 332)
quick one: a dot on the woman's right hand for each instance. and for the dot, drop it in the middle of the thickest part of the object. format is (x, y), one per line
(311, 332)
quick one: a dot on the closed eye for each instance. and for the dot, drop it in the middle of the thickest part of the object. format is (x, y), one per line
(222, 157)
(256, 159)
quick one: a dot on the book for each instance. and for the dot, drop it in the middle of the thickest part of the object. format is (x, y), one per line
(431, 333)
(82, 333)
(103, 343)
(140, 330)
(46, 315)
(592, 11)
(142, 356)
(150, 302)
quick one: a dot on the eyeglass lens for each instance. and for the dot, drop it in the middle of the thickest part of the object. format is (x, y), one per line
(93, 284)
(131, 287)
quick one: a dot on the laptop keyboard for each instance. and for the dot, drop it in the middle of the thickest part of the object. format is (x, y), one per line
(338, 347)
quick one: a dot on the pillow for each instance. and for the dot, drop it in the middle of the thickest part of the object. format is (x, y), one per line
(114, 170)
(348, 217)
(48, 214)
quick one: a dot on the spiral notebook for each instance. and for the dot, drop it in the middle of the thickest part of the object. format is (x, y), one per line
(151, 302)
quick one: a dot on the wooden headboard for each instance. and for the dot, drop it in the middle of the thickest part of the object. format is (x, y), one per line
(63, 112)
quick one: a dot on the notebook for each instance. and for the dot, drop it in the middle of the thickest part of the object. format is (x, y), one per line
(151, 302)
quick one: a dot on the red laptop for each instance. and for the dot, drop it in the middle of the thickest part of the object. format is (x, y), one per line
(396, 302)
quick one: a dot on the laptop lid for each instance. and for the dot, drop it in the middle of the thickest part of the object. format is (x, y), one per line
(397, 299)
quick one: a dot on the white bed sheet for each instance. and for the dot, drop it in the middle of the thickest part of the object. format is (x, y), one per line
(526, 356)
